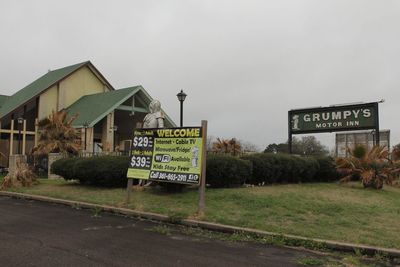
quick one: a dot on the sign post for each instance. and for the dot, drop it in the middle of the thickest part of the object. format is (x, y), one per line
(377, 133)
(129, 190)
(290, 132)
(202, 188)
(334, 119)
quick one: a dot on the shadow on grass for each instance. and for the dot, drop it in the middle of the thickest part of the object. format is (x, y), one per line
(360, 188)
(152, 190)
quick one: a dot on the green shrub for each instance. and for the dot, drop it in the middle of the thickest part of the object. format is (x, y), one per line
(308, 167)
(107, 171)
(327, 171)
(271, 168)
(222, 170)
(64, 167)
(359, 151)
(227, 171)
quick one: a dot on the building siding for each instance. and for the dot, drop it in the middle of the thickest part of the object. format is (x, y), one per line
(80, 83)
(47, 102)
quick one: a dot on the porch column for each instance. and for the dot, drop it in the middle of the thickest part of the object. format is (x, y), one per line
(90, 139)
(107, 137)
(82, 131)
(36, 132)
(12, 138)
(23, 138)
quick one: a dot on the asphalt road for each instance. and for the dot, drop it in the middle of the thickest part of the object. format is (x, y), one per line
(41, 234)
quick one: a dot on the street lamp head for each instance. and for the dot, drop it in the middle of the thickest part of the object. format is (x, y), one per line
(20, 120)
(181, 96)
(115, 128)
(85, 124)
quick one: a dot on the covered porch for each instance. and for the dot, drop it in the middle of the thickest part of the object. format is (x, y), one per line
(106, 121)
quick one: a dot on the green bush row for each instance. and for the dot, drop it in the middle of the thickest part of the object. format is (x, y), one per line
(271, 168)
(222, 170)
(227, 171)
(107, 171)
(327, 171)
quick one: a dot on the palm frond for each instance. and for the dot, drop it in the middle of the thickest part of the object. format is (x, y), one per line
(373, 166)
(57, 134)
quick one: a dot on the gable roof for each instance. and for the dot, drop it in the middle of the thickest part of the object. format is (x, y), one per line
(3, 99)
(93, 108)
(41, 84)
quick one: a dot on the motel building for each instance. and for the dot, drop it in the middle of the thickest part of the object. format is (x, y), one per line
(106, 116)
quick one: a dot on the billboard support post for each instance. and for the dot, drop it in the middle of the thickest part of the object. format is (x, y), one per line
(202, 187)
(377, 133)
(289, 133)
(129, 190)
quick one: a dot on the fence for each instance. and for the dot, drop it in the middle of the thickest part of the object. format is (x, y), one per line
(39, 164)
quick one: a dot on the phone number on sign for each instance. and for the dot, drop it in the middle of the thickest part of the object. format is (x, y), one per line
(188, 178)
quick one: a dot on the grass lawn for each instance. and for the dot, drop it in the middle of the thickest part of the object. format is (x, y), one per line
(345, 213)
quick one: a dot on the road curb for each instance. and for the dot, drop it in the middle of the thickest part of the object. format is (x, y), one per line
(339, 246)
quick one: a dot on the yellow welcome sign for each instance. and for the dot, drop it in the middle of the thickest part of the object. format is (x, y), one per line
(167, 155)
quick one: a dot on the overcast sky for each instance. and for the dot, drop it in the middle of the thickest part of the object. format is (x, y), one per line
(243, 64)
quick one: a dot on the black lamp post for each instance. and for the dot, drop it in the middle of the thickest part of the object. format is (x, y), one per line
(373, 132)
(20, 122)
(181, 97)
(85, 125)
(115, 129)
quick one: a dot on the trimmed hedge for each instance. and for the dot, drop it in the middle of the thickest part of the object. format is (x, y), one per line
(271, 168)
(227, 171)
(327, 171)
(65, 168)
(222, 170)
(107, 171)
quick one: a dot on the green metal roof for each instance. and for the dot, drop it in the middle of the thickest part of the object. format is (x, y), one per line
(92, 108)
(3, 99)
(36, 87)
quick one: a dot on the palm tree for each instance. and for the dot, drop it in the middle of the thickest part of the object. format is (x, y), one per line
(57, 135)
(22, 176)
(374, 167)
(221, 145)
(227, 146)
(235, 147)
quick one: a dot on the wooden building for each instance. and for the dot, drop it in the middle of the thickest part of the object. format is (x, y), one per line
(106, 116)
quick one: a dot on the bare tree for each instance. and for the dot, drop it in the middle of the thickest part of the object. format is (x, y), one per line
(248, 147)
(307, 145)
